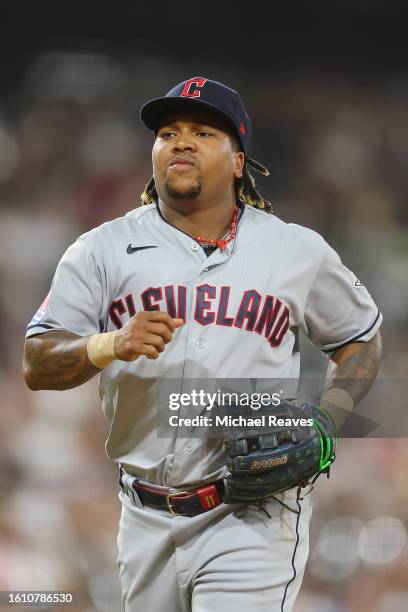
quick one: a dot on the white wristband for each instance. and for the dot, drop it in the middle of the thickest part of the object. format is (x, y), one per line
(340, 398)
(101, 349)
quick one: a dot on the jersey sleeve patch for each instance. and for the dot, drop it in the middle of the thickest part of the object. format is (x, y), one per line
(40, 314)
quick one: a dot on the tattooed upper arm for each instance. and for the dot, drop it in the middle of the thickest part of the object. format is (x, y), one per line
(358, 359)
(56, 360)
(355, 366)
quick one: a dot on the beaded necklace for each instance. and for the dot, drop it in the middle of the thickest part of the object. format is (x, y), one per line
(222, 242)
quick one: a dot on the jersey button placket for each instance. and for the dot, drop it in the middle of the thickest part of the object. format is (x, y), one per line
(183, 446)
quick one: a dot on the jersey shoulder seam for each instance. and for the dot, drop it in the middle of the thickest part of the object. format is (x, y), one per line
(139, 211)
(128, 217)
(289, 226)
(271, 217)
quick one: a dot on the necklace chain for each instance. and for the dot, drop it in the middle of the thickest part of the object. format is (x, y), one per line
(222, 242)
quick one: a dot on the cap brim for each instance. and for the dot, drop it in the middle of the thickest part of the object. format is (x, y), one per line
(153, 112)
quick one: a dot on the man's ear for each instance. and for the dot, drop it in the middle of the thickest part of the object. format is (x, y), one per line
(239, 160)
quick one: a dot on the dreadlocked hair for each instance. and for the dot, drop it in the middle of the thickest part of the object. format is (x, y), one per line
(245, 188)
(149, 196)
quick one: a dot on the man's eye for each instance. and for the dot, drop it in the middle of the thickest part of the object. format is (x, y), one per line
(168, 134)
(204, 133)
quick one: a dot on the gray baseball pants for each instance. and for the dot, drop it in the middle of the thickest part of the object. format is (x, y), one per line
(230, 557)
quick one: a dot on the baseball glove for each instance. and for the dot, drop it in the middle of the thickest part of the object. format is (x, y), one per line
(292, 448)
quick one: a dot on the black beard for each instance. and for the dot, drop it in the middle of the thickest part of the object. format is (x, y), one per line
(191, 193)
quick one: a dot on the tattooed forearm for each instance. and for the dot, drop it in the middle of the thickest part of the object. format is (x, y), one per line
(56, 360)
(350, 375)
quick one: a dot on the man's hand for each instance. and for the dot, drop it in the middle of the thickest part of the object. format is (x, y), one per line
(147, 333)
(59, 359)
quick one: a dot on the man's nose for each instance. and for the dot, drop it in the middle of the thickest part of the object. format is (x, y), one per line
(184, 143)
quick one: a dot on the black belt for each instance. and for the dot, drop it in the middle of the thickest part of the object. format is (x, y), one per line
(182, 503)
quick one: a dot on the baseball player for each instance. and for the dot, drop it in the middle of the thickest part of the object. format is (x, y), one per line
(203, 281)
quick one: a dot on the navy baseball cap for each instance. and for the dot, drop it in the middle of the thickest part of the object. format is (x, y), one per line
(210, 95)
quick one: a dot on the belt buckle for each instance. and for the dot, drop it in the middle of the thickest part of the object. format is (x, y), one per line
(169, 505)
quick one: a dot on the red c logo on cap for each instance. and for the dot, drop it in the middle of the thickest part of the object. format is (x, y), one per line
(199, 81)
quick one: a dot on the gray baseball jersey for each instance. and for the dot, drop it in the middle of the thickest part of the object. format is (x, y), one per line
(243, 310)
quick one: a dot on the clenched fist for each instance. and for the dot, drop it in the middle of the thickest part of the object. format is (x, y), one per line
(147, 333)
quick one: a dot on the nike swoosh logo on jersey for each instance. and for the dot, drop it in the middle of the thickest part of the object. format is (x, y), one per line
(131, 249)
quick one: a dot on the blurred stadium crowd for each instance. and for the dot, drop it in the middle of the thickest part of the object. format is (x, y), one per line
(74, 154)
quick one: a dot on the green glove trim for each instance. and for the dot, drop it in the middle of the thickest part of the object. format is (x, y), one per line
(327, 454)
